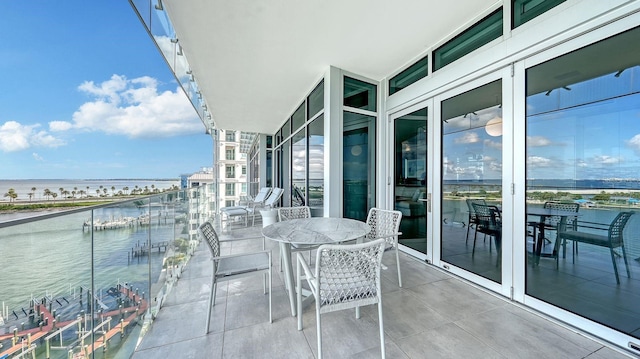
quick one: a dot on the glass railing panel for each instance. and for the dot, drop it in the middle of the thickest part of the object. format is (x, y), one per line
(124, 268)
(84, 278)
(143, 8)
(46, 268)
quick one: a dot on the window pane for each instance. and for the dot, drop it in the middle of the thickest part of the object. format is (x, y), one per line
(583, 152)
(298, 118)
(483, 32)
(286, 129)
(316, 163)
(299, 169)
(359, 94)
(472, 170)
(525, 10)
(315, 102)
(412, 74)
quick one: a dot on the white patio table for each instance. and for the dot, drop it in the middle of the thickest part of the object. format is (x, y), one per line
(311, 231)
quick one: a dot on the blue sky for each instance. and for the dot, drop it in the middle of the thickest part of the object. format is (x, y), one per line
(86, 94)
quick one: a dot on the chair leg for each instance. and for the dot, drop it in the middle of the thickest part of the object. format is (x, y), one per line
(270, 290)
(626, 264)
(382, 348)
(398, 264)
(299, 293)
(212, 301)
(319, 329)
(615, 266)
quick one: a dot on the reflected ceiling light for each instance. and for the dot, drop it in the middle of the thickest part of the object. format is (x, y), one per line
(494, 127)
(356, 150)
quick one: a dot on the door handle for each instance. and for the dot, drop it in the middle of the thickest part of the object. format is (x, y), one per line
(427, 201)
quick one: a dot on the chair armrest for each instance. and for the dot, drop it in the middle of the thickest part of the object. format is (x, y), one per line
(308, 273)
(593, 225)
(239, 239)
(266, 251)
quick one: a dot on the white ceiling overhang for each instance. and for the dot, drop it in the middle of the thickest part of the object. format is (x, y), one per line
(255, 61)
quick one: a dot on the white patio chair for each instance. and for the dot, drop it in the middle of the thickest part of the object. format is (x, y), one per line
(230, 267)
(288, 213)
(244, 210)
(346, 276)
(386, 224)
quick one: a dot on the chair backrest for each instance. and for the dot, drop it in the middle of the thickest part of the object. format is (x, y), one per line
(384, 223)
(287, 213)
(555, 220)
(349, 273)
(617, 227)
(207, 232)
(487, 217)
(274, 197)
(470, 202)
(262, 195)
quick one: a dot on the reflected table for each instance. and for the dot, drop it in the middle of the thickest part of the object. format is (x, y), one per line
(311, 231)
(543, 213)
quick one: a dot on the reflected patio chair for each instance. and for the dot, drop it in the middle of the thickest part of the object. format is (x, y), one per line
(346, 276)
(289, 213)
(471, 221)
(613, 238)
(234, 266)
(385, 224)
(488, 221)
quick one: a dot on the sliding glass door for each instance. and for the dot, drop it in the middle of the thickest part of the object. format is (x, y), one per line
(471, 181)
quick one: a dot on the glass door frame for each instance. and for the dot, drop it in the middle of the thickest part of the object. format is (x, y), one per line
(430, 179)
(509, 260)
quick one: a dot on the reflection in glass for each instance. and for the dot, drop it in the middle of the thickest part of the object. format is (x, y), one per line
(411, 177)
(472, 169)
(298, 119)
(299, 169)
(359, 94)
(316, 164)
(583, 147)
(315, 101)
(358, 165)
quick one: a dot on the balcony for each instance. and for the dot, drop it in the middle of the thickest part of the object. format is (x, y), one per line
(433, 315)
(133, 275)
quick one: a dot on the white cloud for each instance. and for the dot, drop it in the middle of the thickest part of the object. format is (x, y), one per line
(606, 160)
(55, 126)
(634, 143)
(37, 157)
(470, 137)
(537, 141)
(17, 137)
(537, 161)
(133, 108)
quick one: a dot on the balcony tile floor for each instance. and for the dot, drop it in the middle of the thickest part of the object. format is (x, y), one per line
(434, 315)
